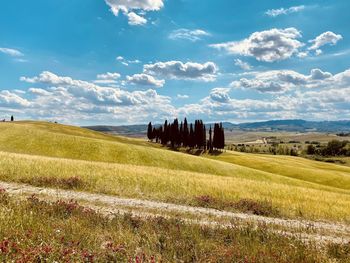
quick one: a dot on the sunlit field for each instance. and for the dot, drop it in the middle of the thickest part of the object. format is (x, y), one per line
(45, 153)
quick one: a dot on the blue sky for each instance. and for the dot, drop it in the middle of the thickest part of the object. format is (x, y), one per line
(134, 61)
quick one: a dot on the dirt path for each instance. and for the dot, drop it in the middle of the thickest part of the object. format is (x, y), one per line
(109, 205)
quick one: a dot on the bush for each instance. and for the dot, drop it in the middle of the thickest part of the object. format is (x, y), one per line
(311, 149)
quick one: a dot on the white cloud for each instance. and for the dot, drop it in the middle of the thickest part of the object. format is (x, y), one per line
(187, 34)
(136, 20)
(280, 81)
(10, 99)
(243, 65)
(186, 71)
(11, 52)
(38, 91)
(328, 98)
(325, 39)
(107, 78)
(108, 75)
(70, 100)
(317, 74)
(318, 95)
(182, 96)
(268, 46)
(126, 62)
(284, 11)
(303, 54)
(127, 7)
(318, 52)
(220, 95)
(145, 80)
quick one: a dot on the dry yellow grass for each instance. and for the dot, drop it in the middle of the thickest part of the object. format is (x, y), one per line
(310, 200)
(134, 168)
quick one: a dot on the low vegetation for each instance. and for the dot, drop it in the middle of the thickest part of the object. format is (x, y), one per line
(36, 231)
(261, 208)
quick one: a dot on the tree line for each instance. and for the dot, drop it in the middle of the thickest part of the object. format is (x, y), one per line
(333, 148)
(193, 135)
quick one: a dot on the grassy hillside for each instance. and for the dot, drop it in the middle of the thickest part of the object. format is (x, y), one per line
(135, 168)
(294, 167)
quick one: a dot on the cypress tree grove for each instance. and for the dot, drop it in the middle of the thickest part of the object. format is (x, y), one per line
(185, 135)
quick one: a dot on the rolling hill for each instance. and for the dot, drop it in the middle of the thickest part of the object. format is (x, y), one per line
(37, 152)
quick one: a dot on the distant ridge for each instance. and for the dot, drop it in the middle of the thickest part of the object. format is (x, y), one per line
(296, 125)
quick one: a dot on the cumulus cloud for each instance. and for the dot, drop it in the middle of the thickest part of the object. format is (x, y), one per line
(145, 80)
(108, 75)
(220, 95)
(10, 99)
(328, 98)
(187, 34)
(325, 39)
(136, 20)
(243, 65)
(268, 46)
(280, 81)
(88, 91)
(317, 74)
(66, 99)
(318, 95)
(11, 52)
(39, 91)
(284, 11)
(187, 71)
(127, 7)
(107, 78)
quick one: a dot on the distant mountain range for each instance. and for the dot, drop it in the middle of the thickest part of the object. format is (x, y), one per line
(273, 125)
(292, 125)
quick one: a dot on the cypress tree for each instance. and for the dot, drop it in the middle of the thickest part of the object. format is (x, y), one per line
(185, 134)
(164, 135)
(175, 133)
(215, 137)
(204, 137)
(191, 141)
(181, 134)
(150, 132)
(210, 146)
(155, 134)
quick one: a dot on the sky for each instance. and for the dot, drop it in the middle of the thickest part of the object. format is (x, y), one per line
(119, 62)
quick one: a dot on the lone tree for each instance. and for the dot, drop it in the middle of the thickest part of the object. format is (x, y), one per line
(12, 118)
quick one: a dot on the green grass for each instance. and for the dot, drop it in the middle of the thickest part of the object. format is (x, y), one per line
(134, 168)
(37, 231)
